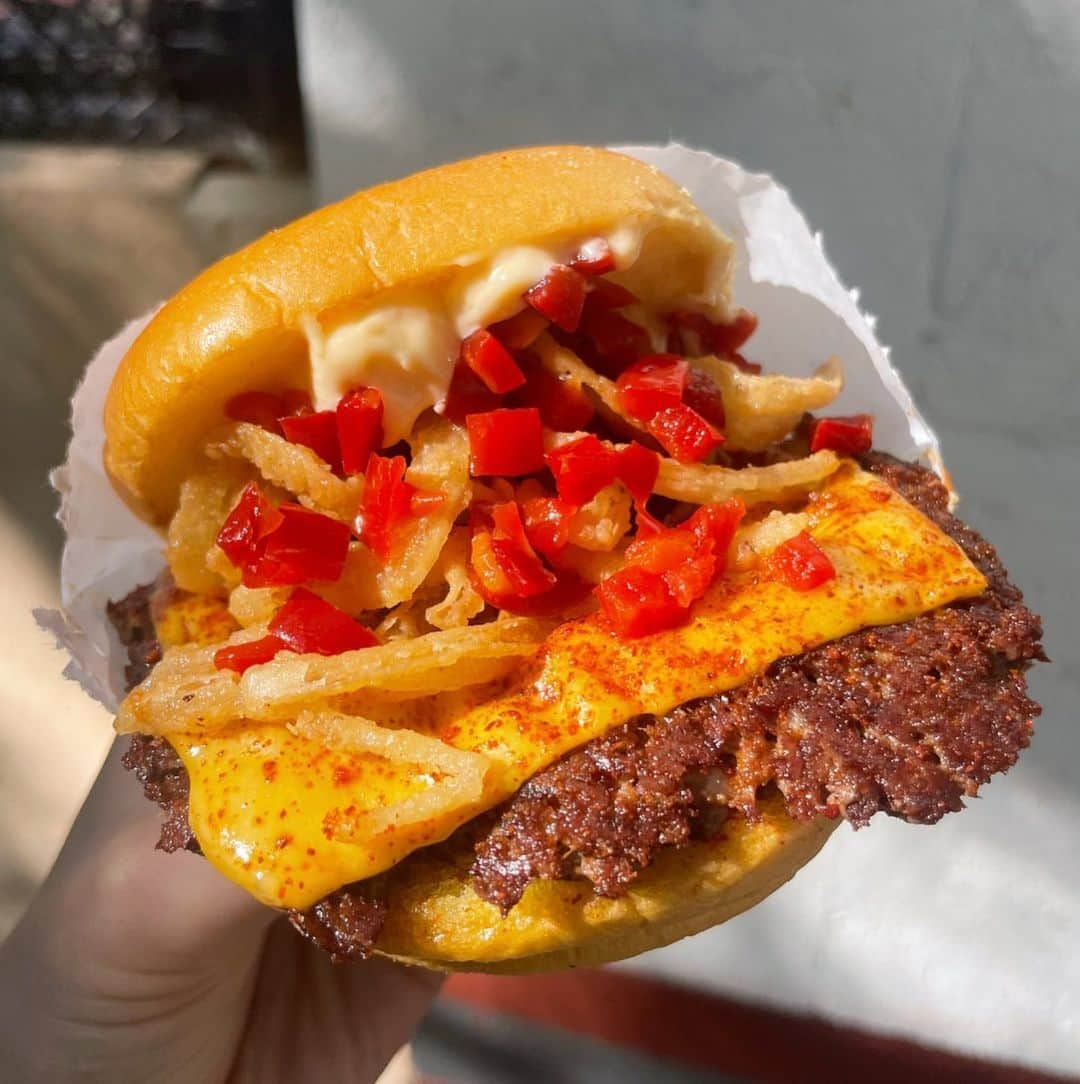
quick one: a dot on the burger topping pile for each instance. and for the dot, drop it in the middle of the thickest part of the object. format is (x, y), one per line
(565, 424)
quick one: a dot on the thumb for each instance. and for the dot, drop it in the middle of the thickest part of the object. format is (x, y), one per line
(134, 906)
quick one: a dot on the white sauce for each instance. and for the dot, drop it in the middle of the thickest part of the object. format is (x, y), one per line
(492, 290)
(407, 349)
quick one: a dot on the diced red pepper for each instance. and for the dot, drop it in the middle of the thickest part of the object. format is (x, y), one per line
(637, 469)
(507, 524)
(645, 523)
(240, 657)
(520, 331)
(492, 362)
(305, 546)
(704, 396)
(507, 565)
(677, 556)
(801, 563)
(568, 590)
(386, 503)
(616, 341)
(684, 433)
(723, 340)
(252, 518)
(585, 466)
(310, 625)
(582, 468)
(511, 577)
(637, 602)
(652, 383)
(306, 624)
(717, 522)
(668, 569)
(524, 570)
(563, 405)
(560, 296)
(594, 258)
(257, 407)
(547, 524)
(852, 435)
(296, 401)
(487, 573)
(467, 394)
(508, 443)
(359, 420)
(727, 338)
(604, 294)
(317, 431)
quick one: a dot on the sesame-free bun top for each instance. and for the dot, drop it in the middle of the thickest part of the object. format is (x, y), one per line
(239, 326)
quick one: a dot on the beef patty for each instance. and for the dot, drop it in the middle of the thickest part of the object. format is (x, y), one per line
(906, 719)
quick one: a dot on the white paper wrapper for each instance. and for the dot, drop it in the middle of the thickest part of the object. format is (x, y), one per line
(783, 275)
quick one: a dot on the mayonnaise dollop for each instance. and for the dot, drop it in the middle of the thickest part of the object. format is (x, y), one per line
(406, 350)
(407, 347)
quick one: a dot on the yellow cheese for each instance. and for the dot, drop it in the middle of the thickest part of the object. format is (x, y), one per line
(265, 804)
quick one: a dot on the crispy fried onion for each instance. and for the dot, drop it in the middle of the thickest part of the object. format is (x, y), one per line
(205, 500)
(461, 602)
(699, 483)
(757, 540)
(405, 621)
(292, 466)
(599, 525)
(185, 692)
(256, 605)
(368, 582)
(429, 664)
(440, 464)
(459, 782)
(566, 365)
(702, 483)
(762, 409)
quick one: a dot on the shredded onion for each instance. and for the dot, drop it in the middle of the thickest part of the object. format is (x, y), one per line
(699, 483)
(292, 466)
(762, 409)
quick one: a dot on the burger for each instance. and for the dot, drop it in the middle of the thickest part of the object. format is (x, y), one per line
(513, 618)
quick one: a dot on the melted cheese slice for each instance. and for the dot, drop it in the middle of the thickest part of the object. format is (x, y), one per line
(265, 803)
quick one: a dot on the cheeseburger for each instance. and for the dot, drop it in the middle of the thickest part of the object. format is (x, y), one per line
(514, 618)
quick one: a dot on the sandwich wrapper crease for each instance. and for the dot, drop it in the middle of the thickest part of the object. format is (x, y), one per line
(782, 274)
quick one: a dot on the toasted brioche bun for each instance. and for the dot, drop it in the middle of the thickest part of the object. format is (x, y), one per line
(434, 918)
(238, 326)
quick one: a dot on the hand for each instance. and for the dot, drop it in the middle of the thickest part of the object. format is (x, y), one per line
(134, 965)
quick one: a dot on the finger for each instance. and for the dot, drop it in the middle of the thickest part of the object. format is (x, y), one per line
(344, 1021)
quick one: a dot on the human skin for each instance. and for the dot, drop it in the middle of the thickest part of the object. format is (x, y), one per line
(136, 965)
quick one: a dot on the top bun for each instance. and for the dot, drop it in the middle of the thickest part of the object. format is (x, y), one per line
(239, 325)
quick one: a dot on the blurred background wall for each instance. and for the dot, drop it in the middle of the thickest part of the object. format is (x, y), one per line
(937, 147)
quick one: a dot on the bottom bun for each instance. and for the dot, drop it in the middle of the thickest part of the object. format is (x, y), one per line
(435, 919)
